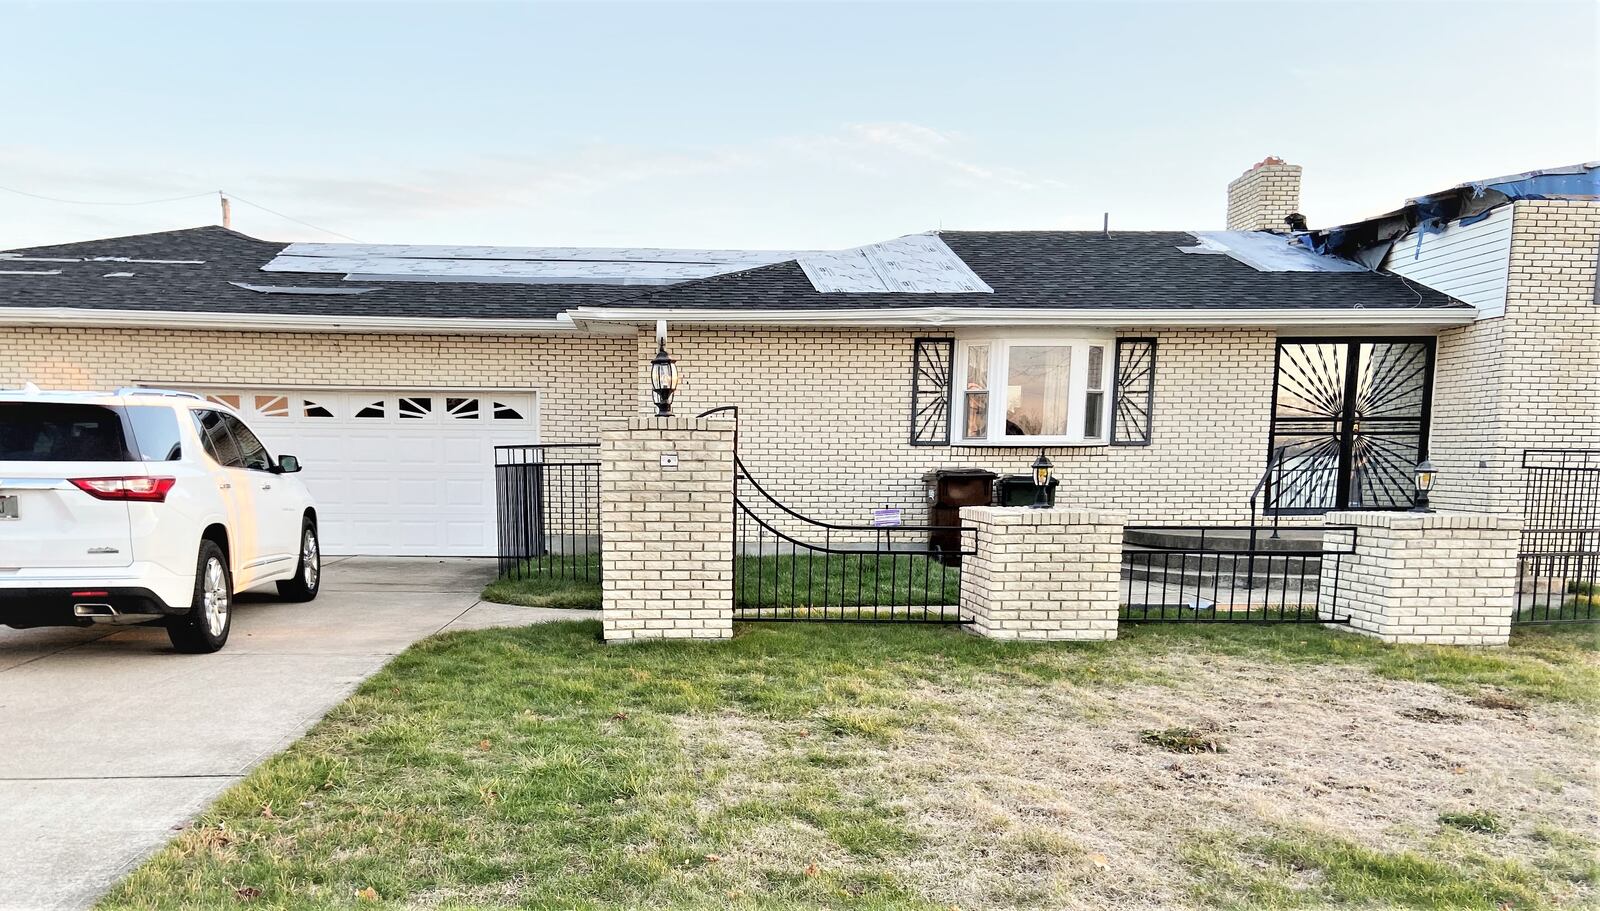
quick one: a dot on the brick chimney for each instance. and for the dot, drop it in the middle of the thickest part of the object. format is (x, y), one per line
(1262, 197)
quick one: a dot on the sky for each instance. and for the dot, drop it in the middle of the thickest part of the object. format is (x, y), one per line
(764, 125)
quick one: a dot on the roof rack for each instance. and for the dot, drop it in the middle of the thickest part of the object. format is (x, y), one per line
(150, 390)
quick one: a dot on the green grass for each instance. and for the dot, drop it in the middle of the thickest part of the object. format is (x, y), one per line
(537, 768)
(844, 580)
(1309, 869)
(565, 582)
(801, 581)
(1473, 821)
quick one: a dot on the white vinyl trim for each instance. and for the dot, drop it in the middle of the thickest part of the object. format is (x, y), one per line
(265, 322)
(1017, 316)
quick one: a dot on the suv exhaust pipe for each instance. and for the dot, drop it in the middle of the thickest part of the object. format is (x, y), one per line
(94, 611)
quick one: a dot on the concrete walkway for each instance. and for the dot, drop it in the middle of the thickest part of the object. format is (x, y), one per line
(109, 739)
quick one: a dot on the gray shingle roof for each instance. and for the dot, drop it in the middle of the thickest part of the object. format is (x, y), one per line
(1027, 269)
(1072, 270)
(233, 257)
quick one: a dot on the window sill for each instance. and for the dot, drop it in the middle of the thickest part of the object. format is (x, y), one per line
(1030, 443)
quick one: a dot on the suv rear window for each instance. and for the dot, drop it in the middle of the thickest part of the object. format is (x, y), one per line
(60, 432)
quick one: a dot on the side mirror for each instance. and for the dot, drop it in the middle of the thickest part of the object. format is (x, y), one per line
(288, 464)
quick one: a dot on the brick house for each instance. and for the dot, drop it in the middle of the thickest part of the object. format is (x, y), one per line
(1162, 371)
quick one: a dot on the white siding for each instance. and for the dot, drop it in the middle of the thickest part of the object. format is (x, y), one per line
(1468, 263)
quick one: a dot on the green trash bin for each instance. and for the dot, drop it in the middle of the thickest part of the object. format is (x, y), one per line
(1018, 490)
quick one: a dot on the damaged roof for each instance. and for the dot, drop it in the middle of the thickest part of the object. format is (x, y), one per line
(229, 265)
(1069, 270)
(213, 270)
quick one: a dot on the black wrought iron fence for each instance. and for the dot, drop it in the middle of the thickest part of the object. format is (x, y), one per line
(549, 510)
(788, 566)
(1235, 573)
(1558, 564)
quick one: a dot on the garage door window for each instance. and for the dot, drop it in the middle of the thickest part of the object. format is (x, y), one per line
(374, 410)
(504, 412)
(272, 406)
(415, 408)
(316, 410)
(462, 409)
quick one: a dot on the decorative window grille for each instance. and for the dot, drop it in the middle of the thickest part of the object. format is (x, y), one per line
(931, 362)
(1136, 391)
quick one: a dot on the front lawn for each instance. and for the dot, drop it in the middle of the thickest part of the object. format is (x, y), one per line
(871, 766)
(776, 582)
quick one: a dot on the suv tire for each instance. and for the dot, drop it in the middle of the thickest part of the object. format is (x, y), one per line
(204, 629)
(308, 572)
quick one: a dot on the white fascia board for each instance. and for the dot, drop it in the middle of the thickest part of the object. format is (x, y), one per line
(991, 316)
(262, 322)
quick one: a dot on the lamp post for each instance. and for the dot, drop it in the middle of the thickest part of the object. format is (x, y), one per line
(1041, 481)
(1424, 476)
(663, 379)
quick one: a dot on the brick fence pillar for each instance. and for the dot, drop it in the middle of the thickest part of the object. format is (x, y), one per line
(1443, 577)
(666, 522)
(1042, 573)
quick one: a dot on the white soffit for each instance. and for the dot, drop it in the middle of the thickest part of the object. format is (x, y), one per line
(914, 264)
(530, 265)
(1264, 251)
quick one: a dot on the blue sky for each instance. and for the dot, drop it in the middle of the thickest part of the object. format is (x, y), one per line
(782, 125)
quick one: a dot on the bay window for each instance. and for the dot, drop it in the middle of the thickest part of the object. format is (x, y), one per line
(1030, 391)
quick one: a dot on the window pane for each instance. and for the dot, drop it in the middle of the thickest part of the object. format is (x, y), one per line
(977, 426)
(1093, 415)
(1097, 364)
(978, 367)
(38, 432)
(155, 432)
(251, 453)
(1036, 390)
(218, 441)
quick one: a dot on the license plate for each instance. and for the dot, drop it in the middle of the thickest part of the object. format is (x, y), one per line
(8, 508)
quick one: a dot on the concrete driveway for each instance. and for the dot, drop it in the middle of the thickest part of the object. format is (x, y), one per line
(109, 739)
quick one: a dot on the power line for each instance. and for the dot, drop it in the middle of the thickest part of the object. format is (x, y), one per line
(287, 217)
(151, 202)
(89, 202)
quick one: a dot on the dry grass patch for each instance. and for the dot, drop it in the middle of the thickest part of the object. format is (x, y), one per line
(878, 768)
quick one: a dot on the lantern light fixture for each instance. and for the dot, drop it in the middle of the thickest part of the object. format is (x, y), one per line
(1424, 476)
(664, 379)
(1042, 470)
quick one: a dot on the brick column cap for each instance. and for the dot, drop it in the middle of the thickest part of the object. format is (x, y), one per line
(1420, 520)
(614, 426)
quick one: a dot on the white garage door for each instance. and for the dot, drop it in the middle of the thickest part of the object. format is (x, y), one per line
(401, 473)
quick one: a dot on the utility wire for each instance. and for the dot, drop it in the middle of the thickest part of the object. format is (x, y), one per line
(287, 217)
(151, 202)
(89, 202)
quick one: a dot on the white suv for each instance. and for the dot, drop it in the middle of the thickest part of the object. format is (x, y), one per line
(144, 506)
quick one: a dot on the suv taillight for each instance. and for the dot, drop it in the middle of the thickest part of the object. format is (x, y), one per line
(145, 490)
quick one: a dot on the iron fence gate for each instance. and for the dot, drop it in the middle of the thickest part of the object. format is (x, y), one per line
(1558, 564)
(1225, 573)
(787, 566)
(548, 508)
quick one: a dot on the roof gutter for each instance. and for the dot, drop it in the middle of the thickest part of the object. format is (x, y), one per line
(585, 317)
(273, 322)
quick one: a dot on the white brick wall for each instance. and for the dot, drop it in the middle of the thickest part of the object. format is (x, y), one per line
(667, 563)
(825, 422)
(1042, 573)
(1425, 577)
(580, 380)
(1530, 379)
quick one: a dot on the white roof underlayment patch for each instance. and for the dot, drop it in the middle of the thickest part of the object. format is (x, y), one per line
(914, 264)
(529, 265)
(1264, 251)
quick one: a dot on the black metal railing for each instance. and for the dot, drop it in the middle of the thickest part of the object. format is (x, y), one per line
(788, 566)
(1235, 573)
(548, 506)
(1558, 563)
